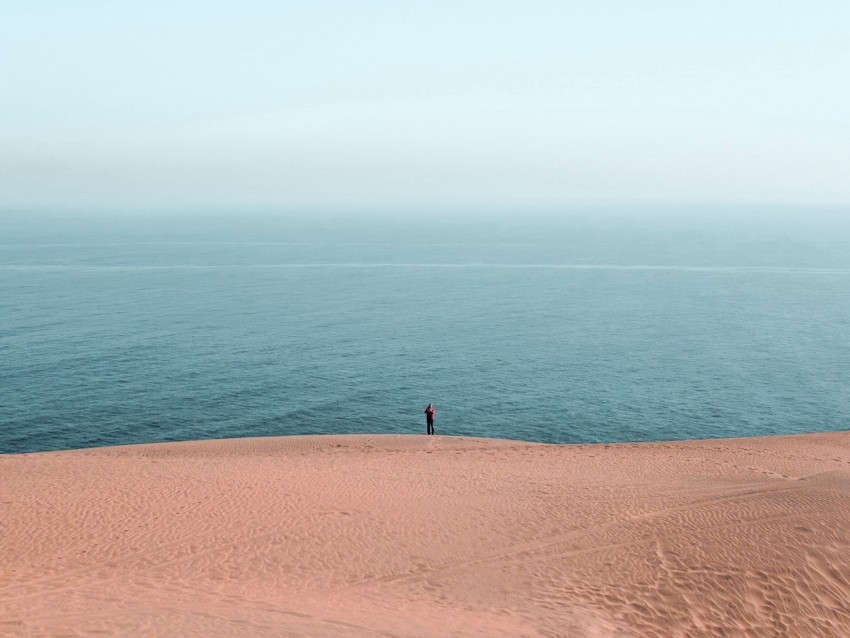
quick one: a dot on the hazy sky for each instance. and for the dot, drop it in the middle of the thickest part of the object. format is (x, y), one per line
(135, 105)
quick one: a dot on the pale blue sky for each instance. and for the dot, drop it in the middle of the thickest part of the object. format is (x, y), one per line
(367, 105)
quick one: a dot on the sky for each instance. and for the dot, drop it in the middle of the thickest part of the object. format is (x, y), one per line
(345, 105)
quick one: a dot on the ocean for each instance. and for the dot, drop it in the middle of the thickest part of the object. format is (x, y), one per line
(578, 327)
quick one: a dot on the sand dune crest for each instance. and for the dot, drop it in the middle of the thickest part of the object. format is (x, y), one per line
(426, 536)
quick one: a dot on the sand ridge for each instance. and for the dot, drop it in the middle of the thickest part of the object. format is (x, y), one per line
(422, 536)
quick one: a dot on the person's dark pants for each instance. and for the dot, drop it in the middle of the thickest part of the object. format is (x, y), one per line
(430, 426)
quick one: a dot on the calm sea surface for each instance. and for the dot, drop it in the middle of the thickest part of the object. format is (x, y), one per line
(593, 328)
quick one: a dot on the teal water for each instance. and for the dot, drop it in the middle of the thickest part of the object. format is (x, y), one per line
(626, 327)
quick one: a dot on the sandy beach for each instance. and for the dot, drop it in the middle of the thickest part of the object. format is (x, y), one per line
(429, 536)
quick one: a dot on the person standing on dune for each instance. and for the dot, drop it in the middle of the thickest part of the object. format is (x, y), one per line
(430, 413)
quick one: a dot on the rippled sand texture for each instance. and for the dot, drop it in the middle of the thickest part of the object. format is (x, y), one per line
(429, 536)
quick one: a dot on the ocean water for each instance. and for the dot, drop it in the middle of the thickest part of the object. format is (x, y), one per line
(584, 327)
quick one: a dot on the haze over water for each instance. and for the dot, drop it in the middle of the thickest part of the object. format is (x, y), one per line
(571, 328)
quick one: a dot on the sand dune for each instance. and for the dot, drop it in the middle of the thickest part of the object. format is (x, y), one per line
(429, 536)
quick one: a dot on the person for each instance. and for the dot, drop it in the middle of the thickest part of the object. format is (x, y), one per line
(430, 413)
